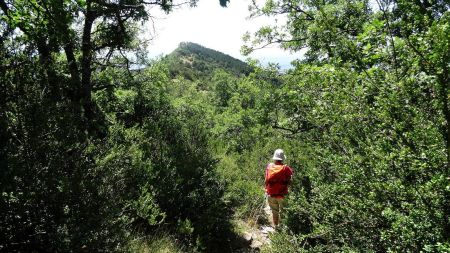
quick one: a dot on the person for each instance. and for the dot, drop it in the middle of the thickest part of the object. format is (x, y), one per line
(278, 177)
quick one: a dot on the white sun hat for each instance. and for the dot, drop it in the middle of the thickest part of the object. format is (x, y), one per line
(278, 155)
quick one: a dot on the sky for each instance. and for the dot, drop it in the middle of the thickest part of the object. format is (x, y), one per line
(215, 27)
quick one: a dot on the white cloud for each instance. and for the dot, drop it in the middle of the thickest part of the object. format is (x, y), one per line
(214, 27)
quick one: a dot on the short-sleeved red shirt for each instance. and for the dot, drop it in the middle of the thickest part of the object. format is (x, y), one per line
(278, 187)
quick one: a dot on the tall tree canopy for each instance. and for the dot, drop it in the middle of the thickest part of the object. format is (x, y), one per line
(92, 34)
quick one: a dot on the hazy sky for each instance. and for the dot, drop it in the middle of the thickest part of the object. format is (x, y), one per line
(214, 27)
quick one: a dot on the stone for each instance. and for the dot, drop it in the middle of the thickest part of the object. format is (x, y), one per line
(248, 236)
(256, 244)
(267, 229)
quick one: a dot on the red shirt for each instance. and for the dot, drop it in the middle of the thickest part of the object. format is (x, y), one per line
(277, 186)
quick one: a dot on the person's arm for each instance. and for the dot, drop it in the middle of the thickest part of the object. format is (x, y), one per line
(290, 181)
(291, 173)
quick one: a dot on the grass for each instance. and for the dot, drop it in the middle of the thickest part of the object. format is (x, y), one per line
(163, 243)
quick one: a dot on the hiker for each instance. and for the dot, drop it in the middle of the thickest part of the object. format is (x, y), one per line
(278, 177)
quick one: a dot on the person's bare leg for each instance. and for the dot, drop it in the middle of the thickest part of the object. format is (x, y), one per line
(277, 216)
(274, 206)
(275, 219)
(280, 209)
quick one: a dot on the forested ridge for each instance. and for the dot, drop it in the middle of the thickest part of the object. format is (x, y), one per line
(193, 62)
(104, 149)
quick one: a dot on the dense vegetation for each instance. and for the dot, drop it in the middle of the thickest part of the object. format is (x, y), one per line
(93, 154)
(369, 107)
(97, 153)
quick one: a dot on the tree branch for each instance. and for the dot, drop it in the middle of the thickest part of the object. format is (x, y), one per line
(394, 51)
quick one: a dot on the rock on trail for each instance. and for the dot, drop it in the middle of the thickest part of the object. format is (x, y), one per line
(258, 237)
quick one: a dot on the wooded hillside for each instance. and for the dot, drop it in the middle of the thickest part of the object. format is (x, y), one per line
(193, 62)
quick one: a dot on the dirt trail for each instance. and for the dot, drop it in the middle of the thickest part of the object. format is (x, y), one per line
(256, 236)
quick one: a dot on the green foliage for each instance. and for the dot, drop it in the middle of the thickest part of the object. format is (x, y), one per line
(224, 85)
(146, 208)
(193, 62)
(167, 153)
(94, 153)
(370, 107)
(95, 156)
(49, 195)
(160, 243)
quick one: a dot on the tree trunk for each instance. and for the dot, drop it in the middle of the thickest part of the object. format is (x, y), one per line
(86, 72)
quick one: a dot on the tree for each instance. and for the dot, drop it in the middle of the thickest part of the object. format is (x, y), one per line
(343, 31)
(370, 100)
(107, 29)
(55, 189)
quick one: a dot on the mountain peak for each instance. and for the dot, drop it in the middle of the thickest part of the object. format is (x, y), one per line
(195, 61)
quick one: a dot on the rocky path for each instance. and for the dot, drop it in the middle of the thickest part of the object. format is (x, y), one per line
(256, 236)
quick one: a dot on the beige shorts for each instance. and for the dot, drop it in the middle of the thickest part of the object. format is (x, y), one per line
(275, 204)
